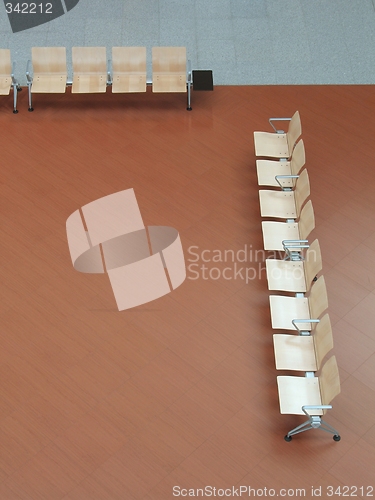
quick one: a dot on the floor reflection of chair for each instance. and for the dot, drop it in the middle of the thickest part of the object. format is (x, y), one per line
(310, 396)
(275, 233)
(280, 173)
(304, 352)
(285, 204)
(49, 72)
(128, 69)
(295, 275)
(89, 69)
(290, 313)
(278, 144)
(7, 79)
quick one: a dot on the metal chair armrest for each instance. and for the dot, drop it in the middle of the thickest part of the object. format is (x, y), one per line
(277, 177)
(289, 245)
(278, 120)
(29, 67)
(189, 81)
(286, 242)
(189, 72)
(303, 321)
(109, 74)
(14, 81)
(305, 408)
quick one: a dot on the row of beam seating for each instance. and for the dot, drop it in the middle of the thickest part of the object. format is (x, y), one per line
(125, 72)
(91, 74)
(298, 273)
(7, 78)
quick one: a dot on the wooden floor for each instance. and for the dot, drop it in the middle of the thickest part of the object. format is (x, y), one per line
(98, 404)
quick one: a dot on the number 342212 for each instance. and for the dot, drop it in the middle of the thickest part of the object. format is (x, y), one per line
(29, 8)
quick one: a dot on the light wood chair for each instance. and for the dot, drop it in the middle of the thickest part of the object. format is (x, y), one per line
(295, 276)
(281, 172)
(169, 69)
(89, 70)
(49, 72)
(304, 353)
(289, 313)
(7, 79)
(279, 235)
(278, 144)
(285, 204)
(310, 396)
(128, 69)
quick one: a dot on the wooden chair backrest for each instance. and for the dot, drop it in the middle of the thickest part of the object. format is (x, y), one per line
(129, 60)
(169, 60)
(89, 60)
(306, 221)
(294, 131)
(329, 381)
(302, 190)
(47, 60)
(318, 299)
(313, 261)
(298, 159)
(323, 339)
(5, 64)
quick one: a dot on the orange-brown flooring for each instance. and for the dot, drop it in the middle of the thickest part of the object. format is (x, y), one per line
(98, 404)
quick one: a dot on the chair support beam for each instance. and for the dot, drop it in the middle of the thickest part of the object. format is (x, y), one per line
(314, 422)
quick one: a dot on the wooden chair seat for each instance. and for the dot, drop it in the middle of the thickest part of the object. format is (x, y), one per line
(278, 145)
(129, 83)
(310, 396)
(169, 83)
(295, 392)
(89, 84)
(7, 79)
(294, 352)
(294, 276)
(267, 170)
(129, 69)
(286, 275)
(304, 352)
(5, 72)
(5, 84)
(49, 72)
(278, 204)
(274, 233)
(89, 70)
(44, 84)
(286, 309)
(271, 144)
(169, 69)
(285, 204)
